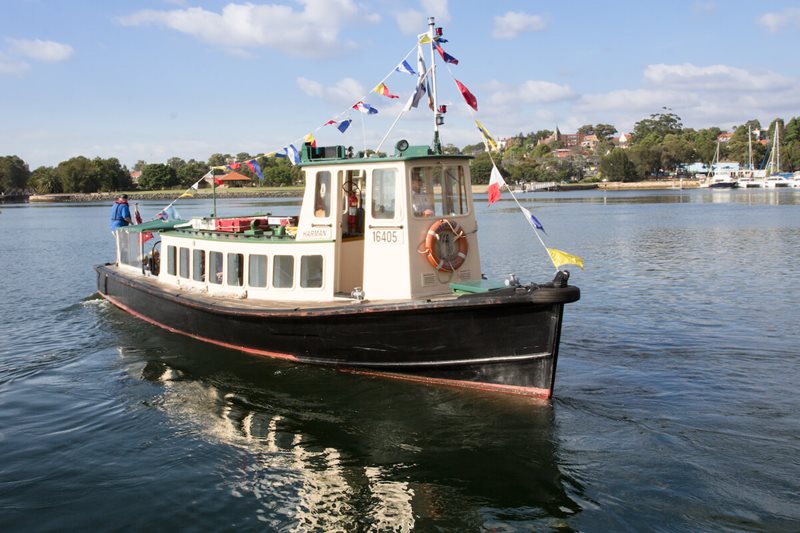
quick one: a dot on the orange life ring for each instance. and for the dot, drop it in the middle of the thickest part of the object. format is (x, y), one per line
(446, 245)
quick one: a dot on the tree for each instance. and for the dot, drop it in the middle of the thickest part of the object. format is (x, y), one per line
(676, 150)
(617, 166)
(480, 168)
(604, 131)
(792, 130)
(646, 155)
(78, 174)
(216, 160)
(110, 175)
(705, 143)
(659, 124)
(192, 171)
(44, 180)
(139, 165)
(14, 174)
(176, 162)
(158, 176)
(282, 174)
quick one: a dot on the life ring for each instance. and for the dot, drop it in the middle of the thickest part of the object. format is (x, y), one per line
(446, 245)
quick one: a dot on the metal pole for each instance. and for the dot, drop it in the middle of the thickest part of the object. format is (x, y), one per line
(431, 35)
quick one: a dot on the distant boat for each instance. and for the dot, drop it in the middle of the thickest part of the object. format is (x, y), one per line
(717, 179)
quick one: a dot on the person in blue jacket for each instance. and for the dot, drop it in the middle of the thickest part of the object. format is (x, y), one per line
(120, 213)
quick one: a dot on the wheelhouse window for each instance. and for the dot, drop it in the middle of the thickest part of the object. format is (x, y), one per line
(172, 256)
(384, 193)
(215, 268)
(183, 264)
(257, 271)
(283, 271)
(438, 191)
(235, 270)
(322, 194)
(199, 265)
(311, 271)
(130, 247)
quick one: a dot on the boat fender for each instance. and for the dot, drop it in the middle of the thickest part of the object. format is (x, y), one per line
(446, 245)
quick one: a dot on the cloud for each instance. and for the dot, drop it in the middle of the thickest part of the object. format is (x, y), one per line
(311, 31)
(530, 92)
(39, 50)
(634, 100)
(713, 77)
(9, 65)
(777, 21)
(513, 23)
(414, 21)
(344, 92)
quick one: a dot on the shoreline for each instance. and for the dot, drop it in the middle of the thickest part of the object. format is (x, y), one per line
(297, 192)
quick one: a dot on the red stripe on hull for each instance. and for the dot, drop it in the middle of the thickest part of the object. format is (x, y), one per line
(530, 392)
(275, 355)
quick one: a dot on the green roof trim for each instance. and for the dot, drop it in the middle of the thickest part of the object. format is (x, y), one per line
(155, 225)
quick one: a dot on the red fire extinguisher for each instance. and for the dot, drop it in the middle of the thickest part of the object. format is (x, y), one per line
(352, 210)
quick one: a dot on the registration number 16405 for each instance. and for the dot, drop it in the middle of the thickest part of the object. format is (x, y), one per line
(391, 236)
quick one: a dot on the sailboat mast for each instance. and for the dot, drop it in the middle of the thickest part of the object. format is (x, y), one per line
(437, 117)
(750, 148)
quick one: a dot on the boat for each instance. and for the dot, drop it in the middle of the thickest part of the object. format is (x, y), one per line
(750, 178)
(774, 179)
(718, 179)
(361, 279)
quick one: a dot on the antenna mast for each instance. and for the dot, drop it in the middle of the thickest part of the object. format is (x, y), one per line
(438, 119)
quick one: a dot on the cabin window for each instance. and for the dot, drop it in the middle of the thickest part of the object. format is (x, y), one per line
(283, 271)
(183, 264)
(384, 193)
(322, 194)
(257, 271)
(171, 260)
(215, 267)
(235, 270)
(311, 271)
(438, 191)
(199, 265)
(130, 247)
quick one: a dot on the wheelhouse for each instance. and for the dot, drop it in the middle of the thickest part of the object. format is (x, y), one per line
(380, 228)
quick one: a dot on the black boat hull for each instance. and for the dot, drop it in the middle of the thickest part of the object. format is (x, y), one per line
(504, 340)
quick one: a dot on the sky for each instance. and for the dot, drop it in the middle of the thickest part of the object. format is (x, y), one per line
(154, 79)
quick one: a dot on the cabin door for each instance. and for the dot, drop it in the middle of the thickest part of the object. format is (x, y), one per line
(350, 239)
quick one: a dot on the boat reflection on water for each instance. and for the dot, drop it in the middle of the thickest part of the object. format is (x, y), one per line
(318, 449)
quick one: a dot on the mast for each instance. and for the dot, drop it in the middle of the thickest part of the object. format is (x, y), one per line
(437, 117)
(749, 149)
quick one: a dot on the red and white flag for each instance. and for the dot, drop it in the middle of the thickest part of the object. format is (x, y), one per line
(495, 182)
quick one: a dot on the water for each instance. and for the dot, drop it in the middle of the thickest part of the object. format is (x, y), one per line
(676, 402)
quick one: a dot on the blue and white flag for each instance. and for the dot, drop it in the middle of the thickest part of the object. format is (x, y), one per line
(292, 154)
(533, 219)
(168, 213)
(365, 108)
(405, 68)
(343, 125)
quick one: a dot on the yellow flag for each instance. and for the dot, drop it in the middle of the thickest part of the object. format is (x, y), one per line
(488, 141)
(187, 194)
(562, 258)
(424, 38)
